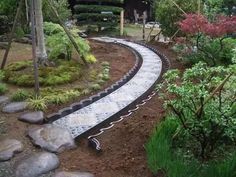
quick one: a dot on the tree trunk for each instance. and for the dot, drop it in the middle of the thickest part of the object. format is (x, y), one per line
(41, 49)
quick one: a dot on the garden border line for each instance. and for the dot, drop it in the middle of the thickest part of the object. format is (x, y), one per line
(93, 142)
(163, 66)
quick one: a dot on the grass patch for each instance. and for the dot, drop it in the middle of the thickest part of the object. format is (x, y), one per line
(163, 156)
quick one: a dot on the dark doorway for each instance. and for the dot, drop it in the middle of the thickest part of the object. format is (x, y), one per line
(139, 5)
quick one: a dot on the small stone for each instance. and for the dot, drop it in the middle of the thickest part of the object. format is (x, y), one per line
(37, 164)
(3, 45)
(14, 107)
(8, 148)
(51, 138)
(3, 99)
(32, 117)
(73, 174)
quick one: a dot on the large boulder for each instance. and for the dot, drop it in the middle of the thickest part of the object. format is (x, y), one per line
(32, 117)
(73, 174)
(14, 107)
(51, 138)
(8, 148)
(36, 165)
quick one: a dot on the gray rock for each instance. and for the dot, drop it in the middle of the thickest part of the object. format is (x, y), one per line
(3, 45)
(51, 138)
(8, 148)
(32, 117)
(73, 174)
(14, 107)
(3, 99)
(36, 165)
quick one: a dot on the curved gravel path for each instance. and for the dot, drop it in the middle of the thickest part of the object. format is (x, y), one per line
(100, 111)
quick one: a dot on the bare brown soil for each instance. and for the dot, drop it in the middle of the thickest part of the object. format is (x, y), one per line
(123, 153)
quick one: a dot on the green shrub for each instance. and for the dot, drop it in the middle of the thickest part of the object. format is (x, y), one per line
(212, 51)
(85, 91)
(206, 118)
(96, 8)
(90, 13)
(57, 99)
(59, 43)
(20, 95)
(163, 156)
(37, 103)
(62, 7)
(168, 14)
(104, 1)
(3, 88)
(95, 87)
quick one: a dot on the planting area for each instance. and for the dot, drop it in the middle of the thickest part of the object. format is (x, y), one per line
(84, 95)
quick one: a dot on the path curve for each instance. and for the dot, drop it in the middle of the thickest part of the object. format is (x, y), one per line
(88, 117)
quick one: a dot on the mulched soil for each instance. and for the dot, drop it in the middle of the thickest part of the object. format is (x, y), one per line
(123, 153)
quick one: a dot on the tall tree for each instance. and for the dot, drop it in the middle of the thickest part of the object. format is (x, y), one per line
(41, 48)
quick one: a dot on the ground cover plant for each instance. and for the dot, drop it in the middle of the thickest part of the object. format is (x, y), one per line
(52, 80)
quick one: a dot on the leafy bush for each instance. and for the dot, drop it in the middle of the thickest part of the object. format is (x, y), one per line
(4, 24)
(209, 41)
(59, 43)
(203, 102)
(105, 1)
(168, 14)
(62, 7)
(37, 103)
(20, 95)
(96, 8)
(95, 87)
(90, 13)
(3, 88)
(163, 156)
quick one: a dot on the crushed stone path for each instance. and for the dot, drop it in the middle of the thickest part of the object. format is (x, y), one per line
(92, 115)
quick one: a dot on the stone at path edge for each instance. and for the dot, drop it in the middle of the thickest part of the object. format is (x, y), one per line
(73, 174)
(8, 148)
(32, 117)
(14, 107)
(4, 99)
(36, 165)
(51, 138)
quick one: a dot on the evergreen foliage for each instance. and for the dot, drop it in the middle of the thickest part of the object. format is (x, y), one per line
(102, 13)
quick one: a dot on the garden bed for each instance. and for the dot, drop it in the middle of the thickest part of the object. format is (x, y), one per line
(123, 152)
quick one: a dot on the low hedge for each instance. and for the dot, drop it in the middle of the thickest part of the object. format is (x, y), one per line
(102, 1)
(96, 9)
(4, 24)
(96, 17)
(99, 24)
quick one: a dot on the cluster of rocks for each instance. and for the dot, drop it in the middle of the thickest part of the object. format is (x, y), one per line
(52, 139)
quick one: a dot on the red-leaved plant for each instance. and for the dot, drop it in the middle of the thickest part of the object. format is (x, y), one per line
(197, 23)
(204, 32)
